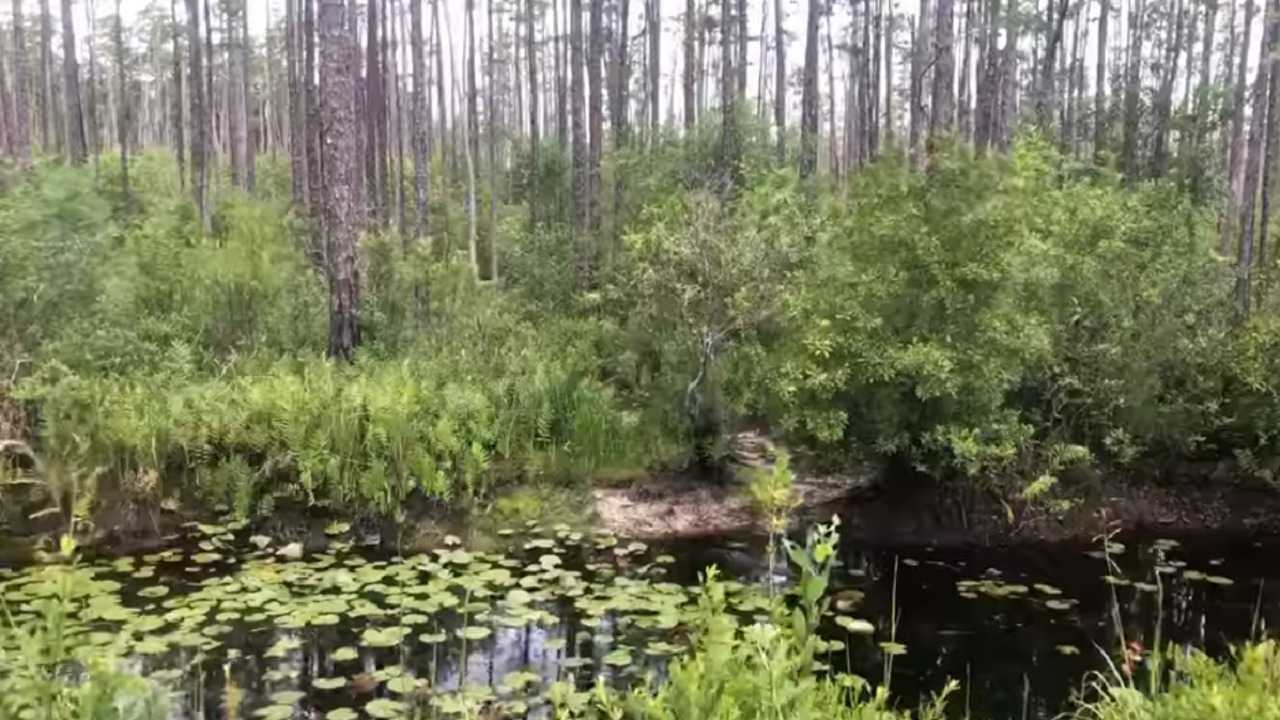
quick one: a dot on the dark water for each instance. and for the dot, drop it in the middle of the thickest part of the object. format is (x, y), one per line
(1012, 652)
(1019, 627)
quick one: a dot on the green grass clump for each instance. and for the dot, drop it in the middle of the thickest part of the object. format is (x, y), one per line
(1198, 688)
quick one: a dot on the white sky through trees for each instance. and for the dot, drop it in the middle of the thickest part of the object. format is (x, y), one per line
(452, 13)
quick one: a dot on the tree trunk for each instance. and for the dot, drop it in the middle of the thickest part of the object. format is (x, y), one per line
(890, 128)
(21, 113)
(561, 83)
(199, 119)
(421, 114)
(691, 66)
(123, 122)
(532, 53)
(1132, 91)
(577, 102)
(780, 79)
(1203, 90)
(211, 153)
(964, 114)
(654, 20)
(373, 114)
(1268, 161)
(920, 62)
(833, 159)
(942, 112)
(93, 134)
(1164, 100)
(1257, 124)
(492, 113)
(340, 207)
(246, 93)
(1046, 95)
(1236, 148)
(809, 95)
(7, 118)
(595, 124)
(77, 152)
(1100, 86)
(179, 128)
(44, 97)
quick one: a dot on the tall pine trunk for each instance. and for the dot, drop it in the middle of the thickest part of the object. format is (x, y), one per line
(1236, 148)
(577, 103)
(691, 65)
(595, 125)
(809, 95)
(122, 129)
(198, 114)
(179, 128)
(77, 151)
(1253, 162)
(942, 112)
(339, 204)
(1100, 85)
(421, 123)
(21, 113)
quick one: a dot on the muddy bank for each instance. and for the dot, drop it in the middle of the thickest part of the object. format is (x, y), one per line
(885, 505)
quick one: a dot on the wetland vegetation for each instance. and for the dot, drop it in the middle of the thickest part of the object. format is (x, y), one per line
(327, 393)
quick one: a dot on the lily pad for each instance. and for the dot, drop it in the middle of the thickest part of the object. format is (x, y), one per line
(342, 713)
(274, 712)
(475, 632)
(855, 626)
(344, 654)
(618, 658)
(384, 709)
(287, 697)
(332, 683)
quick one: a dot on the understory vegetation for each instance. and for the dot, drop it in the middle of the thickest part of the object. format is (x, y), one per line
(994, 320)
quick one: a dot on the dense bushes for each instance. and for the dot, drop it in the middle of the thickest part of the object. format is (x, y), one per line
(998, 319)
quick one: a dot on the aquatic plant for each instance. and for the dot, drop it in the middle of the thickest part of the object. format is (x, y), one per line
(51, 672)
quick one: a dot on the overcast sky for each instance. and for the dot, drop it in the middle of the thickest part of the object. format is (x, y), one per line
(672, 10)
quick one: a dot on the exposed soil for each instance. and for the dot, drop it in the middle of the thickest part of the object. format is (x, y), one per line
(895, 506)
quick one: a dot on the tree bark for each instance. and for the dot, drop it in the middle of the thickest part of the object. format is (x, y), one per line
(21, 113)
(199, 119)
(595, 124)
(1268, 160)
(1132, 90)
(1257, 125)
(77, 152)
(964, 113)
(809, 95)
(1236, 147)
(44, 97)
(1100, 86)
(7, 119)
(532, 54)
(123, 122)
(780, 79)
(179, 128)
(1203, 90)
(246, 93)
(942, 112)
(340, 207)
(654, 20)
(691, 66)
(920, 64)
(1164, 100)
(492, 113)
(93, 121)
(890, 128)
(421, 115)
(577, 103)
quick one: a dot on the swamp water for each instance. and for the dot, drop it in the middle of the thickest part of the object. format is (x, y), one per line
(240, 627)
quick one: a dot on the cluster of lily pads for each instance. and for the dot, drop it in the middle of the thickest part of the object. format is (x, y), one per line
(268, 628)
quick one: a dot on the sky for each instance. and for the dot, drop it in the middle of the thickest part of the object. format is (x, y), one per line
(672, 10)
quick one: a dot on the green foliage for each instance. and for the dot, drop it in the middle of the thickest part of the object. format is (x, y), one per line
(1199, 688)
(761, 671)
(51, 673)
(990, 315)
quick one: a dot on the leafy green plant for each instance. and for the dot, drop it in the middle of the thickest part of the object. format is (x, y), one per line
(51, 675)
